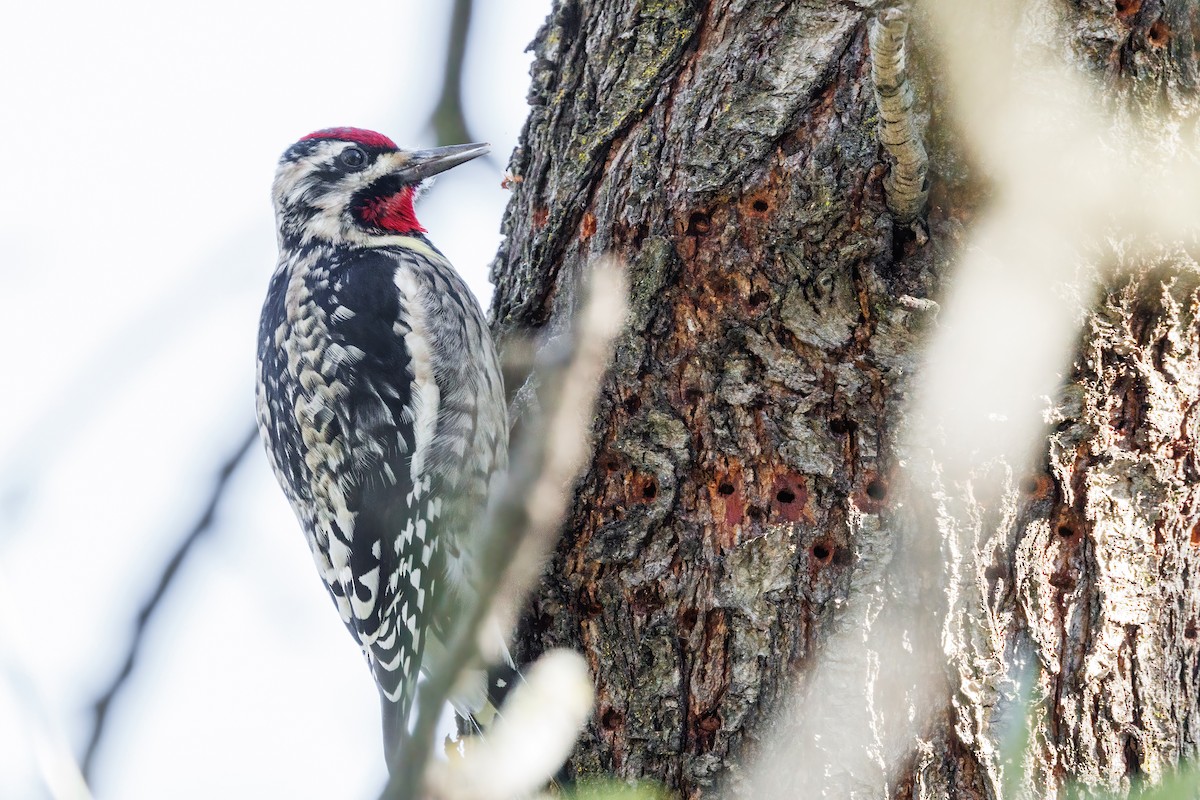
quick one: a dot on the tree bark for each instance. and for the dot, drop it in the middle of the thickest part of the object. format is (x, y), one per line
(748, 441)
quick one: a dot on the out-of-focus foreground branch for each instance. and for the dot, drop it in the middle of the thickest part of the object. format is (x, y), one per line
(201, 526)
(521, 529)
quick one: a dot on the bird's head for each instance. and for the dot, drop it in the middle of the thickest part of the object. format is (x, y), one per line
(349, 185)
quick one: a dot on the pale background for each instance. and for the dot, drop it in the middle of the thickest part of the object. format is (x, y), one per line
(137, 239)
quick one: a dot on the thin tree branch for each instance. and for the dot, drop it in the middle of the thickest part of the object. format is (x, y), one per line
(170, 570)
(523, 524)
(448, 119)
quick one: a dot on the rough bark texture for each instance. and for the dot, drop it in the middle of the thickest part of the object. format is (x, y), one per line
(746, 457)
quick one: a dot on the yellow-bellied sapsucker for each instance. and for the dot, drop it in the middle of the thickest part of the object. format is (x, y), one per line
(379, 399)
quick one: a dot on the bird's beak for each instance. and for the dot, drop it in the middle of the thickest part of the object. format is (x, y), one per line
(423, 163)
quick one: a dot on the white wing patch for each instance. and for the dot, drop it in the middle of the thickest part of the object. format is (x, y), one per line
(426, 396)
(369, 581)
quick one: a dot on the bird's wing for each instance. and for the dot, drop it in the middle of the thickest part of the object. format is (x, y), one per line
(392, 556)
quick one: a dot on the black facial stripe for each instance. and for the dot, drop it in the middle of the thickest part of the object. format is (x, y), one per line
(304, 149)
(385, 186)
(330, 173)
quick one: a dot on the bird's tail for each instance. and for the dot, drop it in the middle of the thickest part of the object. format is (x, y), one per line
(395, 725)
(478, 705)
(476, 697)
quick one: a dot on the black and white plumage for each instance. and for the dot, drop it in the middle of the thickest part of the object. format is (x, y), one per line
(379, 398)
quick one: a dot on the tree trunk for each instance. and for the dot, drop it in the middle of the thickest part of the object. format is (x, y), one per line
(748, 441)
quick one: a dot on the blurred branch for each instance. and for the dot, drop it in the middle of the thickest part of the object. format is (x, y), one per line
(201, 526)
(59, 772)
(448, 121)
(523, 524)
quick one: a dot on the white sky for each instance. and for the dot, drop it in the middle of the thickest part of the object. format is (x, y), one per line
(136, 229)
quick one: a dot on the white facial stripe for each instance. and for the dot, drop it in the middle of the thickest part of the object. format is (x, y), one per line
(426, 395)
(296, 184)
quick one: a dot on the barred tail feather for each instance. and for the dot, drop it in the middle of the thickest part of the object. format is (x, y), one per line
(396, 695)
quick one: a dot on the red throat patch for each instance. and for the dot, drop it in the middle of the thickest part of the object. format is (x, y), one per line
(392, 213)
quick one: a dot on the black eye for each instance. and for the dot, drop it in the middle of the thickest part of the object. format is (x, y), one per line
(353, 158)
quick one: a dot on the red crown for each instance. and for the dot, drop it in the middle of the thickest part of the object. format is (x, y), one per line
(358, 135)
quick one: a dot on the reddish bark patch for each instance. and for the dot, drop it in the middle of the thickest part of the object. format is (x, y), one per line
(610, 462)
(1127, 8)
(822, 551)
(735, 510)
(1067, 531)
(646, 599)
(611, 719)
(643, 488)
(789, 498)
(1068, 527)
(1063, 580)
(758, 205)
(587, 227)
(842, 426)
(539, 217)
(709, 682)
(688, 619)
(873, 492)
(1195, 537)
(1159, 34)
(588, 603)
(727, 497)
(1128, 416)
(1037, 487)
(686, 247)
(699, 224)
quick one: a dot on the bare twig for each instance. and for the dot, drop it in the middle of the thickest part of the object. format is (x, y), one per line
(524, 520)
(170, 570)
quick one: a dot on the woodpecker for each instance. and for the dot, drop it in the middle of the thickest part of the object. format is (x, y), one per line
(379, 400)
